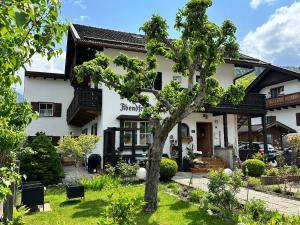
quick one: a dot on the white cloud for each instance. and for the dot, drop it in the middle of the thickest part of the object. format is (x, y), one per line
(277, 40)
(255, 3)
(80, 19)
(80, 3)
(41, 64)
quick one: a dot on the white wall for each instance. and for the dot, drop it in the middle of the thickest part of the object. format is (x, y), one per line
(285, 116)
(49, 90)
(290, 87)
(61, 91)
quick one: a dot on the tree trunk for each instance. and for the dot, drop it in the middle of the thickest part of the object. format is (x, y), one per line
(155, 155)
(8, 205)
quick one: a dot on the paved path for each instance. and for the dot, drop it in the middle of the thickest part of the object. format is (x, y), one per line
(283, 205)
(73, 174)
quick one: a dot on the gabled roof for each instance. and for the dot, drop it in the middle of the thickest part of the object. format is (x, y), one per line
(273, 75)
(99, 37)
(258, 127)
(44, 74)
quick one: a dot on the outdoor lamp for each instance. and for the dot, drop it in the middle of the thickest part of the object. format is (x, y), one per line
(141, 173)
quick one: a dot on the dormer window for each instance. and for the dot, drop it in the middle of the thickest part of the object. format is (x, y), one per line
(275, 92)
(46, 109)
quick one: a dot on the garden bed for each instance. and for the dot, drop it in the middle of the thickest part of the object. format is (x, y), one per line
(270, 180)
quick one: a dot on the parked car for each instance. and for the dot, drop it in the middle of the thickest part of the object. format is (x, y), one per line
(246, 153)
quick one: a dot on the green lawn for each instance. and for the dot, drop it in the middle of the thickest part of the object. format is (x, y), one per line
(171, 211)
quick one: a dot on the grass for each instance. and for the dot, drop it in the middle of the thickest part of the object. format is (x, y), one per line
(171, 210)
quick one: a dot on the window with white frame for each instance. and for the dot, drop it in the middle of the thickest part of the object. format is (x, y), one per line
(143, 133)
(46, 109)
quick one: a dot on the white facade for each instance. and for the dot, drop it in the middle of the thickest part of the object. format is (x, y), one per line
(49, 90)
(287, 116)
(60, 91)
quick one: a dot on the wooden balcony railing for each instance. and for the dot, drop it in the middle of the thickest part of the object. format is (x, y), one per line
(283, 101)
(253, 104)
(85, 106)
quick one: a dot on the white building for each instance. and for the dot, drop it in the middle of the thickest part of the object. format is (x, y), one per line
(66, 107)
(281, 86)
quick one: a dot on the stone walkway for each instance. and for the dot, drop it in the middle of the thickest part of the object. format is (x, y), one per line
(73, 174)
(283, 205)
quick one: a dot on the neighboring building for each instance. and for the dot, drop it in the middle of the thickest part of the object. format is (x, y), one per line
(67, 107)
(281, 86)
(275, 132)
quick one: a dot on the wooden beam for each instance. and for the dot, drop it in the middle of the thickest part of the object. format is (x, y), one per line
(264, 131)
(179, 143)
(225, 127)
(250, 133)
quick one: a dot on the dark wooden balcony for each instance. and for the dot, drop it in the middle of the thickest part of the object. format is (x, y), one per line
(85, 106)
(283, 101)
(253, 104)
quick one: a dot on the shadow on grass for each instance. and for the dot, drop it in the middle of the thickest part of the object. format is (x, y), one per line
(89, 208)
(69, 202)
(201, 217)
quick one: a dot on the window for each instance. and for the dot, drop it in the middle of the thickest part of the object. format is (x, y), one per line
(275, 92)
(84, 131)
(298, 119)
(128, 134)
(158, 81)
(271, 119)
(143, 133)
(94, 129)
(46, 109)
(269, 139)
(179, 78)
(185, 130)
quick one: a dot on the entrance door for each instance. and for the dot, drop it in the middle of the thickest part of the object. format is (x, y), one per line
(204, 139)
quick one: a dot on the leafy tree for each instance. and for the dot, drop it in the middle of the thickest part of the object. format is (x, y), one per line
(43, 162)
(245, 81)
(26, 27)
(77, 147)
(202, 46)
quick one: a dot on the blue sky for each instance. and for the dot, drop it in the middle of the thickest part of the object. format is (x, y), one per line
(267, 29)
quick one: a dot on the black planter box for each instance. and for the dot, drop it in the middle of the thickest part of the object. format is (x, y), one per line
(32, 194)
(75, 191)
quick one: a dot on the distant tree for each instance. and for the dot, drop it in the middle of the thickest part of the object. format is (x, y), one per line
(27, 27)
(77, 147)
(246, 80)
(202, 46)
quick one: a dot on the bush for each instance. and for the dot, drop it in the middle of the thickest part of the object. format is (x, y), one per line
(126, 170)
(277, 189)
(254, 182)
(222, 189)
(174, 187)
(255, 167)
(272, 172)
(168, 169)
(255, 208)
(98, 183)
(196, 195)
(43, 162)
(122, 210)
(260, 157)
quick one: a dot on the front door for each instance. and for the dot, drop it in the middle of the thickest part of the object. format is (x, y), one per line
(204, 139)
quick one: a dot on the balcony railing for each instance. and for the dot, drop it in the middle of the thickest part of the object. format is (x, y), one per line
(253, 104)
(283, 101)
(85, 106)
